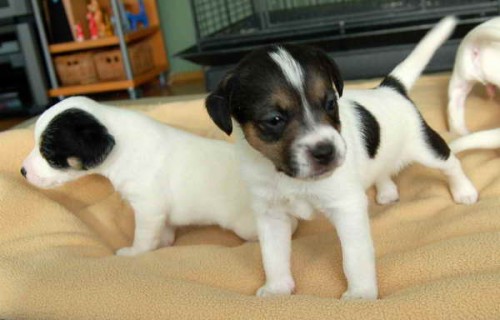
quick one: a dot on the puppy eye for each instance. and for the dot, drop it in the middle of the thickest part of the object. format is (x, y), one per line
(274, 122)
(331, 103)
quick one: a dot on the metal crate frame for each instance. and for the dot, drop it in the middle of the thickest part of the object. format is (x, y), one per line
(264, 28)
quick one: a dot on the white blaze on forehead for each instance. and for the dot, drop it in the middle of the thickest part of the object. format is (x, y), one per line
(294, 74)
(290, 67)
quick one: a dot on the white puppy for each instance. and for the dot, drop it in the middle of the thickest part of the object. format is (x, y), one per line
(170, 177)
(305, 145)
(477, 60)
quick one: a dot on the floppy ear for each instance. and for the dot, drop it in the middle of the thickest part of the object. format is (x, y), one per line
(76, 139)
(218, 104)
(332, 69)
(94, 144)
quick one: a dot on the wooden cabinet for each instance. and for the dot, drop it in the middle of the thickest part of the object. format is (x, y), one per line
(120, 40)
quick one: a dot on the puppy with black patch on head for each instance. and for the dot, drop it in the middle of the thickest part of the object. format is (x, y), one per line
(307, 145)
(170, 177)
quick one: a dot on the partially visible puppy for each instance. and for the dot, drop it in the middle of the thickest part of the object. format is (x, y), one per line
(306, 144)
(486, 139)
(170, 177)
(477, 60)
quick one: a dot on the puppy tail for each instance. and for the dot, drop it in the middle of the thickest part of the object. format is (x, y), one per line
(408, 71)
(487, 139)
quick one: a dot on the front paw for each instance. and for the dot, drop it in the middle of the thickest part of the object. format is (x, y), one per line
(365, 294)
(387, 197)
(130, 251)
(284, 288)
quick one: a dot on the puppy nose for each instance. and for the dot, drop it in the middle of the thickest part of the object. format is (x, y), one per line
(23, 172)
(322, 152)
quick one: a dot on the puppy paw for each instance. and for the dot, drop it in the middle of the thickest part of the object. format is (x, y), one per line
(129, 251)
(276, 289)
(167, 239)
(461, 131)
(387, 197)
(366, 294)
(466, 193)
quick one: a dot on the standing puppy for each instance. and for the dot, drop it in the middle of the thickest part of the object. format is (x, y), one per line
(305, 145)
(477, 60)
(170, 177)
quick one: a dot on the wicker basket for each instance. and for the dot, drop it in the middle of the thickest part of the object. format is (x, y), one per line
(76, 69)
(109, 63)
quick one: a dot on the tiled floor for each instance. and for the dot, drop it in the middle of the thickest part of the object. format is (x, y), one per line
(149, 90)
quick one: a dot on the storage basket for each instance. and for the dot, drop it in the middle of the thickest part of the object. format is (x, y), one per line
(76, 69)
(109, 64)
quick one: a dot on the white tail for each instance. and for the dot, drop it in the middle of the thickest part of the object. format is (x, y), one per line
(487, 139)
(408, 71)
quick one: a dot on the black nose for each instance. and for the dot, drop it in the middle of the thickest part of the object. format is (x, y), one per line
(323, 152)
(23, 172)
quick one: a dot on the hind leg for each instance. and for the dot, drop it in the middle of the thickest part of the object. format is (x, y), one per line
(462, 189)
(167, 236)
(433, 152)
(457, 93)
(387, 191)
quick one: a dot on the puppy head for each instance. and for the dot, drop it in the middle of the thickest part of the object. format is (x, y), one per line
(285, 100)
(69, 141)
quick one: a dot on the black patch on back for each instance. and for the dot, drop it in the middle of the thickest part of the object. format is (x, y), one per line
(434, 140)
(75, 133)
(394, 83)
(370, 130)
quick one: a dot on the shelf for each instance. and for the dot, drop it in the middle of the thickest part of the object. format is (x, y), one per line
(103, 42)
(108, 85)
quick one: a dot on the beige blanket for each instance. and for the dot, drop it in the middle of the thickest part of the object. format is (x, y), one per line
(435, 259)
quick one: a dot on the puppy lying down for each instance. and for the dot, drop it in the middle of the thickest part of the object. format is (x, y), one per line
(170, 177)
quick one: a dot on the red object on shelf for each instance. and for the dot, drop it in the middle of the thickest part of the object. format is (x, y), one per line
(79, 32)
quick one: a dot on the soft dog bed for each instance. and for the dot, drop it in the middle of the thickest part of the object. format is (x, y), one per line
(435, 259)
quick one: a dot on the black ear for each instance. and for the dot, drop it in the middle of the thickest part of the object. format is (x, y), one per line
(218, 104)
(75, 138)
(333, 70)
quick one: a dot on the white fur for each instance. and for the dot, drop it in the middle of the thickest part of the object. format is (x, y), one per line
(477, 60)
(294, 74)
(302, 145)
(291, 69)
(341, 196)
(487, 139)
(170, 177)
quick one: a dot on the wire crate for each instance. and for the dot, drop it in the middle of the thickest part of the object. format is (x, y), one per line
(222, 22)
(366, 37)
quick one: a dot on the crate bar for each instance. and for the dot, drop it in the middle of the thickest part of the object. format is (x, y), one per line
(197, 25)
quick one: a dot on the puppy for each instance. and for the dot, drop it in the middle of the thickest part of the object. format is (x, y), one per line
(307, 145)
(170, 177)
(477, 60)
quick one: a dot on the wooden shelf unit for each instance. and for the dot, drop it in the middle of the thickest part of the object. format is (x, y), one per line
(103, 42)
(152, 34)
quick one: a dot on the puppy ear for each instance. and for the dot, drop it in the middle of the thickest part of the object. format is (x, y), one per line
(75, 139)
(218, 104)
(329, 65)
(94, 141)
